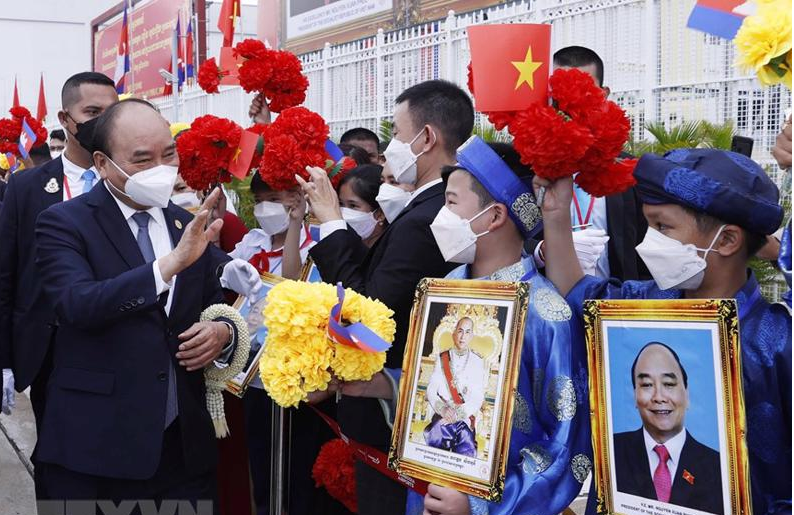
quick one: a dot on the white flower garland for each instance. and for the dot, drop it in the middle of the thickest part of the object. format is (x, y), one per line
(215, 378)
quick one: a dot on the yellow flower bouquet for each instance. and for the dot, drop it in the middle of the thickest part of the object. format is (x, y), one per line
(763, 43)
(300, 357)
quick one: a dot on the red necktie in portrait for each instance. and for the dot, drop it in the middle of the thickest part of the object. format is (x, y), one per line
(661, 477)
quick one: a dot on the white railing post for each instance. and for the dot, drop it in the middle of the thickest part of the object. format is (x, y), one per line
(651, 60)
(449, 66)
(380, 81)
(326, 104)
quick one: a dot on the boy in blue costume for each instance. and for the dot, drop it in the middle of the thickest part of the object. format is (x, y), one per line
(708, 212)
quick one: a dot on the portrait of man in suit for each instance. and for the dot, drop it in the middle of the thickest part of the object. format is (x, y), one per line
(455, 394)
(661, 460)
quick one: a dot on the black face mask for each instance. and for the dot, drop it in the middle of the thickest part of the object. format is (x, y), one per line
(85, 133)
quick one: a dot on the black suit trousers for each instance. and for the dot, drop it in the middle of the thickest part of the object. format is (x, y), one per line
(172, 482)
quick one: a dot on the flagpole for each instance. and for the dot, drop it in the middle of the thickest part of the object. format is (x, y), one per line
(129, 47)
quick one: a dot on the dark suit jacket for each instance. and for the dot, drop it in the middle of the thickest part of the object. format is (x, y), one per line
(389, 272)
(626, 227)
(27, 321)
(634, 475)
(107, 393)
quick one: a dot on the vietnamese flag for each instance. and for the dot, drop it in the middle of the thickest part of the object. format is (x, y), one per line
(41, 108)
(230, 10)
(511, 65)
(241, 161)
(230, 66)
(16, 94)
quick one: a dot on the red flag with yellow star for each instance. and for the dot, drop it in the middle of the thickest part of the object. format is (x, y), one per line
(510, 64)
(241, 160)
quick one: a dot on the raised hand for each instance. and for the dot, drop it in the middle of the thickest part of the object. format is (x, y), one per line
(259, 110)
(194, 240)
(321, 195)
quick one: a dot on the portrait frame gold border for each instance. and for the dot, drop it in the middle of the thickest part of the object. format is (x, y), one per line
(723, 312)
(239, 388)
(518, 294)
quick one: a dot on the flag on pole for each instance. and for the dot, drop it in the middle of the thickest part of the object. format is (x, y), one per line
(180, 55)
(720, 18)
(122, 56)
(189, 51)
(230, 10)
(168, 89)
(26, 139)
(510, 65)
(16, 93)
(41, 108)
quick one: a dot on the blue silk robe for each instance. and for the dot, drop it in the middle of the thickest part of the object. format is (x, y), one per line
(550, 452)
(765, 332)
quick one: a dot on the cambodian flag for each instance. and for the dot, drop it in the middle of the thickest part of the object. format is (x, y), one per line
(26, 139)
(180, 56)
(189, 50)
(122, 56)
(717, 17)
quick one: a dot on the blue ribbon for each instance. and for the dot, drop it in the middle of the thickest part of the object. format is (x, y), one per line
(355, 335)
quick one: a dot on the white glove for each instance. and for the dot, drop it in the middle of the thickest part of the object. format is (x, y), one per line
(241, 277)
(9, 395)
(589, 244)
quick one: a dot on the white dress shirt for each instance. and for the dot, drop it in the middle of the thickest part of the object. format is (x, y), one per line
(161, 243)
(256, 241)
(340, 225)
(73, 178)
(468, 374)
(598, 219)
(674, 446)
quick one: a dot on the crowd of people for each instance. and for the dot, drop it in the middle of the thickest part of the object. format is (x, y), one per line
(108, 259)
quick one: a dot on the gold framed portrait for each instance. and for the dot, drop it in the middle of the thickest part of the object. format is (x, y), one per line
(667, 405)
(252, 314)
(309, 272)
(460, 371)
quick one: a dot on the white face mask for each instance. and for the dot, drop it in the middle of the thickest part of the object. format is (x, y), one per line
(392, 200)
(360, 221)
(272, 217)
(454, 236)
(56, 154)
(402, 160)
(186, 200)
(673, 264)
(151, 187)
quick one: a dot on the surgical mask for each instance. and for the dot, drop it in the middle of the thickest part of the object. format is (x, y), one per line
(402, 160)
(151, 187)
(673, 264)
(272, 217)
(454, 236)
(56, 154)
(360, 221)
(392, 200)
(186, 200)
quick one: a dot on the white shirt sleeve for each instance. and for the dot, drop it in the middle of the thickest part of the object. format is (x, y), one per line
(160, 285)
(536, 254)
(476, 379)
(330, 227)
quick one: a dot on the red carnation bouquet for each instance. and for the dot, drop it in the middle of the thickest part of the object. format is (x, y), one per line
(334, 470)
(275, 74)
(581, 133)
(11, 128)
(206, 151)
(295, 140)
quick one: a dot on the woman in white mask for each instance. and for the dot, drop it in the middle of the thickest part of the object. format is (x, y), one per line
(357, 193)
(281, 243)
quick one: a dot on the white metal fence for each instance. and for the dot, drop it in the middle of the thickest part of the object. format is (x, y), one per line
(657, 69)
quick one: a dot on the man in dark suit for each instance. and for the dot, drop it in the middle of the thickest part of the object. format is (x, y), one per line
(129, 274)
(431, 120)
(661, 460)
(619, 216)
(27, 321)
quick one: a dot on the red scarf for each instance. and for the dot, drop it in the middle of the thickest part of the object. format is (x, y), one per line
(261, 260)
